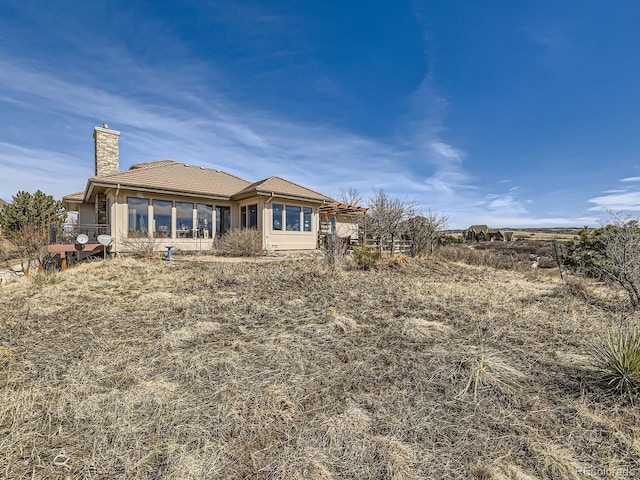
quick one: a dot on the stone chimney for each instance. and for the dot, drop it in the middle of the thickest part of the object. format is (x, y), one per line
(107, 158)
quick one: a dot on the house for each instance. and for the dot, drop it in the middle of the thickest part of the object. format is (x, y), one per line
(475, 233)
(481, 233)
(187, 206)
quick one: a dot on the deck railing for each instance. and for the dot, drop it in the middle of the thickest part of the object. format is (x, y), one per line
(67, 233)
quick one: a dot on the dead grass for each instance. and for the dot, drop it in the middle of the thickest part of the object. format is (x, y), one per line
(283, 370)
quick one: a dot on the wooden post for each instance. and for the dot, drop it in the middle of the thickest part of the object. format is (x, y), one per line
(557, 255)
(364, 239)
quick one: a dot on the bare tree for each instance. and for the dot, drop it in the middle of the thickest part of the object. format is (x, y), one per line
(351, 196)
(425, 231)
(27, 249)
(621, 265)
(387, 217)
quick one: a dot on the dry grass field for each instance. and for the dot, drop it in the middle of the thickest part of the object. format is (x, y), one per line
(135, 369)
(546, 234)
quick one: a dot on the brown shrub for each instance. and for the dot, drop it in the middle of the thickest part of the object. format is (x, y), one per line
(239, 243)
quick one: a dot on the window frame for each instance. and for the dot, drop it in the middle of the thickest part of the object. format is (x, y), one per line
(157, 228)
(307, 213)
(292, 218)
(142, 202)
(277, 215)
(223, 221)
(286, 215)
(180, 231)
(204, 219)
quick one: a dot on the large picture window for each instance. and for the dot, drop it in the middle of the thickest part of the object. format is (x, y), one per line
(276, 210)
(138, 216)
(205, 220)
(292, 217)
(161, 218)
(184, 219)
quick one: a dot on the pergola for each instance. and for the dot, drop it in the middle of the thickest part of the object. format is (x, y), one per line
(332, 210)
(336, 208)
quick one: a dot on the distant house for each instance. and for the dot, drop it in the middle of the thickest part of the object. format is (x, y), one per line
(188, 206)
(475, 233)
(482, 233)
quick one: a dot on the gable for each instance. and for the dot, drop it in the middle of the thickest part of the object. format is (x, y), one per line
(280, 187)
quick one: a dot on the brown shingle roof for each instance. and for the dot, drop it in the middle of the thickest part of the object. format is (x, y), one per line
(175, 177)
(280, 187)
(74, 197)
(478, 228)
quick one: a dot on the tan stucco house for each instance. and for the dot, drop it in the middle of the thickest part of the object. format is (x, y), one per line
(187, 206)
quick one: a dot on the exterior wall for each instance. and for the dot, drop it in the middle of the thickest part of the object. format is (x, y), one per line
(118, 214)
(347, 226)
(87, 214)
(289, 240)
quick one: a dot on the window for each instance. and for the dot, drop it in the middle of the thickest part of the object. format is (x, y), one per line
(205, 216)
(161, 218)
(249, 216)
(306, 218)
(292, 217)
(276, 209)
(138, 216)
(223, 219)
(253, 216)
(184, 219)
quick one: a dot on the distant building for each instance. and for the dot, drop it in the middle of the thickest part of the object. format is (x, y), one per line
(482, 233)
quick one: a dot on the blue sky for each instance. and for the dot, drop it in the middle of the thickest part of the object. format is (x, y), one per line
(514, 114)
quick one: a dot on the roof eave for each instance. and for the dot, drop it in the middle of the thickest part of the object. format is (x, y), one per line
(266, 193)
(137, 188)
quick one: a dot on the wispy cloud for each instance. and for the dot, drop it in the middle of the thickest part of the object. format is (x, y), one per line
(616, 202)
(504, 204)
(48, 171)
(250, 143)
(625, 199)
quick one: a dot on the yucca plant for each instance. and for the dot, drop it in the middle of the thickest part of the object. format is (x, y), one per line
(617, 357)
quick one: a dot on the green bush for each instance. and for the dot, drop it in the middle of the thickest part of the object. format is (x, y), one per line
(240, 243)
(365, 258)
(617, 357)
